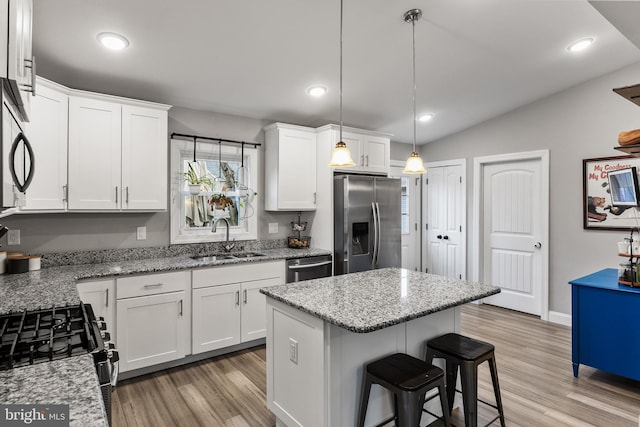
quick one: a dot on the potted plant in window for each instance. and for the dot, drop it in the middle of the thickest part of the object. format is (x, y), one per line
(197, 182)
(220, 201)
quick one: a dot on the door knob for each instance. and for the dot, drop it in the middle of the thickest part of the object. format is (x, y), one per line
(446, 237)
(538, 245)
(439, 236)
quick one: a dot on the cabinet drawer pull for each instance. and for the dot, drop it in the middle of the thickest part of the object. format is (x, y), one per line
(116, 195)
(245, 296)
(153, 285)
(106, 298)
(127, 194)
(180, 308)
(237, 298)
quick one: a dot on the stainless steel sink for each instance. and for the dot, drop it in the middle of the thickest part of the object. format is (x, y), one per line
(208, 258)
(247, 254)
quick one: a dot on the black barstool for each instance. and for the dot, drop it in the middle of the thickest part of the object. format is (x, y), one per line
(466, 353)
(409, 379)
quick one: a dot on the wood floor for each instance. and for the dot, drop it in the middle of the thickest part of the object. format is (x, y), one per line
(534, 366)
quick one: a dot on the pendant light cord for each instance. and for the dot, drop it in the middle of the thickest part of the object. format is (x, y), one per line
(341, 13)
(413, 25)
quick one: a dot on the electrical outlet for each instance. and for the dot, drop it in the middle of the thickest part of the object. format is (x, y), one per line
(293, 350)
(13, 237)
(273, 227)
(141, 234)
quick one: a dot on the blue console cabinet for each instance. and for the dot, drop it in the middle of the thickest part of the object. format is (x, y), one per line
(605, 324)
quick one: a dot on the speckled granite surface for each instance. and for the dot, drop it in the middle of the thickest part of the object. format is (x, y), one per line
(71, 381)
(372, 300)
(114, 255)
(56, 286)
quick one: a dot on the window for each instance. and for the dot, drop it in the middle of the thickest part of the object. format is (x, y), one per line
(404, 205)
(225, 190)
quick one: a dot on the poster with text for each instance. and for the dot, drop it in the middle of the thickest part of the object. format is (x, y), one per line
(600, 211)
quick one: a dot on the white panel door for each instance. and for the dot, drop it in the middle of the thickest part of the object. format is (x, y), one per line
(144, 158)
(444, 217)
(376, 153)
(297, 170)
(47, 133)
(94, 154)
(354, 144)
(216, 317)
(101, 294)
(409, 218)
(254, 309)
(512, 233)
(151, 329)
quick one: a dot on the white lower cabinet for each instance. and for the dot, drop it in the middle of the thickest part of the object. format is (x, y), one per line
(101, 294)
(153, 319)
(216, 317)
(228, 307)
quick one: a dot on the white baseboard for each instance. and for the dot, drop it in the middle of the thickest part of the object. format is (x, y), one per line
(561, 318)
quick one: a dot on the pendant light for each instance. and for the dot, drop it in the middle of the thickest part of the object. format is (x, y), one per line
(414, 162)
(340, 155)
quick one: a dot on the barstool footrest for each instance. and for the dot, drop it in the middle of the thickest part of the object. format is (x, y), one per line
(387, 421)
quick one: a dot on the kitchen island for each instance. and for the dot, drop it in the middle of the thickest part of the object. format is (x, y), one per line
(320, 334)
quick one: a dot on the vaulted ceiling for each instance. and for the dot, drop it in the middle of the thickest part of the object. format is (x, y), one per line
(476, 59)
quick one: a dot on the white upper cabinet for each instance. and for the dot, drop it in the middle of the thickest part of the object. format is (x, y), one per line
(117, 154)
(144, 158)
(47, 133)
(94, 154)
(290, 168)
(370, 151)
(16, 59)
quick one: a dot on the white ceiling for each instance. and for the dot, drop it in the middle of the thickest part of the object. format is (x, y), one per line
(476, 59)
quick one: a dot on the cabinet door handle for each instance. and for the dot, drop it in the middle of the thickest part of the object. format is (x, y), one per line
(237, 298)
(153, 285)
(65, 193)
(106, 298)
(361, 160)
(127, 194)
(367, 160)
(180, 308)
(116, 194)
(446, 237)
(314, 198)
(439, 236)
(31, 63)
(244, 296)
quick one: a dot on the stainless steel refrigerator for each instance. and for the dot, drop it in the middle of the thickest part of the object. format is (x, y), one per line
(366, 223)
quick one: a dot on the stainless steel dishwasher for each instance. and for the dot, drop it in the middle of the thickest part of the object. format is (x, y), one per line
(308, 268)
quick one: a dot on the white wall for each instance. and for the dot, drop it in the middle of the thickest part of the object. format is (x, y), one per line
(42, 233)
(578, 123)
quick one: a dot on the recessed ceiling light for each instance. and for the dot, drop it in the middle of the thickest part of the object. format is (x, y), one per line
(581, 44)
(425, 117)
(317, 90)
(113, 41)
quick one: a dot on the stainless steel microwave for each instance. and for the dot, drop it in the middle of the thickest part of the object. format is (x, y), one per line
(18, 161)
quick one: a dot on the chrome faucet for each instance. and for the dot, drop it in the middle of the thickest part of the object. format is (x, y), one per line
(227, 246)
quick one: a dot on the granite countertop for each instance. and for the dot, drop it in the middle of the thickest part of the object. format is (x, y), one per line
(371, 300)
(71, 381)
(56, 286)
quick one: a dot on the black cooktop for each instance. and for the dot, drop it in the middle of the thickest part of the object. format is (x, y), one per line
(38, 336)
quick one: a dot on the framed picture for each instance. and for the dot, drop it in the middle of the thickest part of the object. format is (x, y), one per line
(598, 212)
